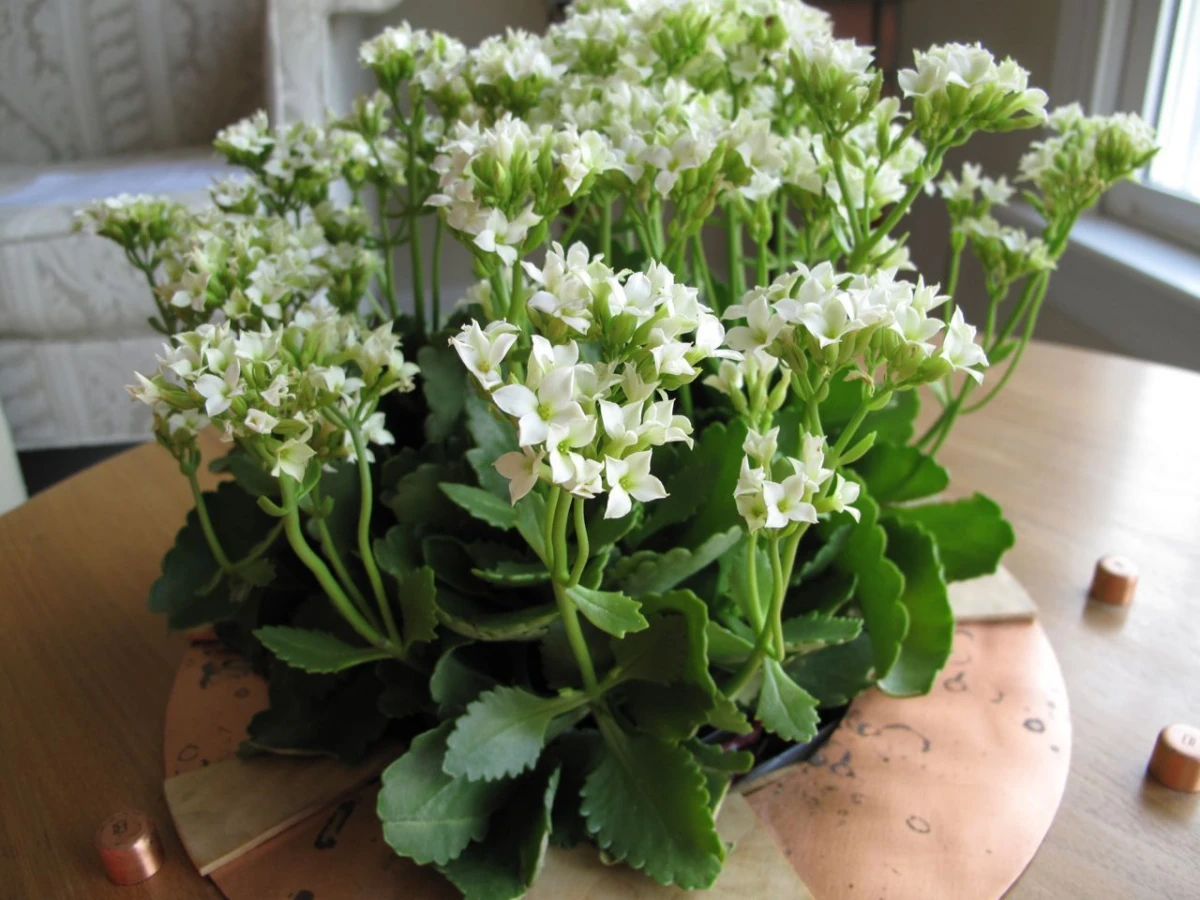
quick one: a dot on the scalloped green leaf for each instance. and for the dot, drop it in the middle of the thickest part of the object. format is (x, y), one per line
(512, 573)
(503, 731)
(476, 621)
(725, 648)
(531, 513)
(927, 646)
(504, 866)
(444, 384)
(650, 572)
(835, 675)
(315, 651)
(418, 606)
(880, 581)
(610, 611)
(972, 534)
(646, 804)
(895, 473)
(656, 654)
(785, 708)
(483, 505)
(815, 630)
(736, 573)
(455, 682)
(427, 815)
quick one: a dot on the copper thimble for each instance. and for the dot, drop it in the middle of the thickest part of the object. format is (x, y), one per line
(129, 847)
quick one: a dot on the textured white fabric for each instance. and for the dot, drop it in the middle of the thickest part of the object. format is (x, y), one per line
(70, 393)
(81, 79)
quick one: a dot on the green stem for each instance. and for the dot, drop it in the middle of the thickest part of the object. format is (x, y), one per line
(210, 535)
(775, 617)
(339, 569)
(436, 274)
(737, 276)
(389, 271)
(856, 234)
(367, 497)
(781, 245)
(756, 602)
(895, 214)
(762, 272)
(606, 216)
(566, 606)
(700, 261)
(342, 603)
(582, 547)
(847, 434)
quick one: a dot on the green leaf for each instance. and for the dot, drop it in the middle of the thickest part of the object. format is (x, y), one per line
(715, 759)
(721, 447)
(971, 534)
(726, 648)
(478, 622)
(646, 804)
(880, 582)
(191, 590)
(482, 505)
(894, 473)
(648, 572)
(405, 691)
(510, 573)
(415, 586)
(735, 580)
(610, 611)
(894, 423)
(931, 621)
(722, 712)
(816, 630)
(577, 752)
(444, 384)
(503, 732)
(785, 708)
(455, 682)
(531, 513)
(427, 815)
(656, 654)
(602, 532)
(315, 651)
(418, 606)
(324, 715)
(826, 594)
(420, 505)
(835, 675)
(827, 553)
(504, 866)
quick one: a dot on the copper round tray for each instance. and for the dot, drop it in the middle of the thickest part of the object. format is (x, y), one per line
(947, 795)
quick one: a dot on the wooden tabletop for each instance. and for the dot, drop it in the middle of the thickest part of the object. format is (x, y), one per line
(1087, 453)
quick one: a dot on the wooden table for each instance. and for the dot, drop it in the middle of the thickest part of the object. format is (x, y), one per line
(1087, 453)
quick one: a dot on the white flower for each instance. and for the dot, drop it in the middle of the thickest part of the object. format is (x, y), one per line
(260, 422)
(292, 458)
(554, 402)
(787, 501)
(483, 349)
(959, 347)
(630, 478)
(502, 237)
(812, 461)
(562, 440)
(218, 392)
(844, 493)
(762, 324)
(761, 447)
(521, 469)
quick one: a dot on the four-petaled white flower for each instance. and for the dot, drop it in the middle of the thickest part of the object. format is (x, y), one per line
(959, 347)
(554, 402)
(521, 468)
(483, 349)
(218, 391)
(630, 478)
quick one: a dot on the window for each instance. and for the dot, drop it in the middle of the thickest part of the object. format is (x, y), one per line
(1149, 61)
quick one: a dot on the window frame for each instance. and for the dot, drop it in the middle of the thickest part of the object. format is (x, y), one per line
(1112, 56)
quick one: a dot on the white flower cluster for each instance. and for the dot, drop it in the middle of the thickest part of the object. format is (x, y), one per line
(257, 269)
(289, 393)
(431, 60)
(821, 315)
(294, 165)
(1087, 155)
(589, 413)
(496, 184)
(799, 497)
(1006, 253)
(139, 222)
(972, 193)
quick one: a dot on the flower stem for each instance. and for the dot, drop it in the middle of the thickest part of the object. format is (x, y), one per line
(435, 284)
(606, 215)
(342, 603)
(737, 276)
(210, 535)
(557, 510)
(582, 546)
(762, 264)
(365, 509)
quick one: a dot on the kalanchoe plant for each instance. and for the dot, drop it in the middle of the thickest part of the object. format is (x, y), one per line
(645, 503)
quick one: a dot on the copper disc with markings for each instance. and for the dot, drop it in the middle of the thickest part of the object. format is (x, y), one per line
(946, 795)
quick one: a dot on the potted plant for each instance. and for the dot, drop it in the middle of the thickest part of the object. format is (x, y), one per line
(631, 497)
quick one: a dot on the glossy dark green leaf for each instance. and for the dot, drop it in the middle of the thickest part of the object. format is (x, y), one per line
(315, 651)
(474, 620)
(656, 654)
(931, 621)
(482, 505)
(650, 572)
(972, 535)
(815, 630)
(455, 681)
(610, 611)
(785, 708)
(444, 384)
(835, 675)
(510, 573)
(504, 866)
(894, 473)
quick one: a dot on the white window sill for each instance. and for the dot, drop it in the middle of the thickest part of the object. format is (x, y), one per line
(1137, 290)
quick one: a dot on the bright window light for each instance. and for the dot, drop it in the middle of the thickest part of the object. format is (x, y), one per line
(1177, 166)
